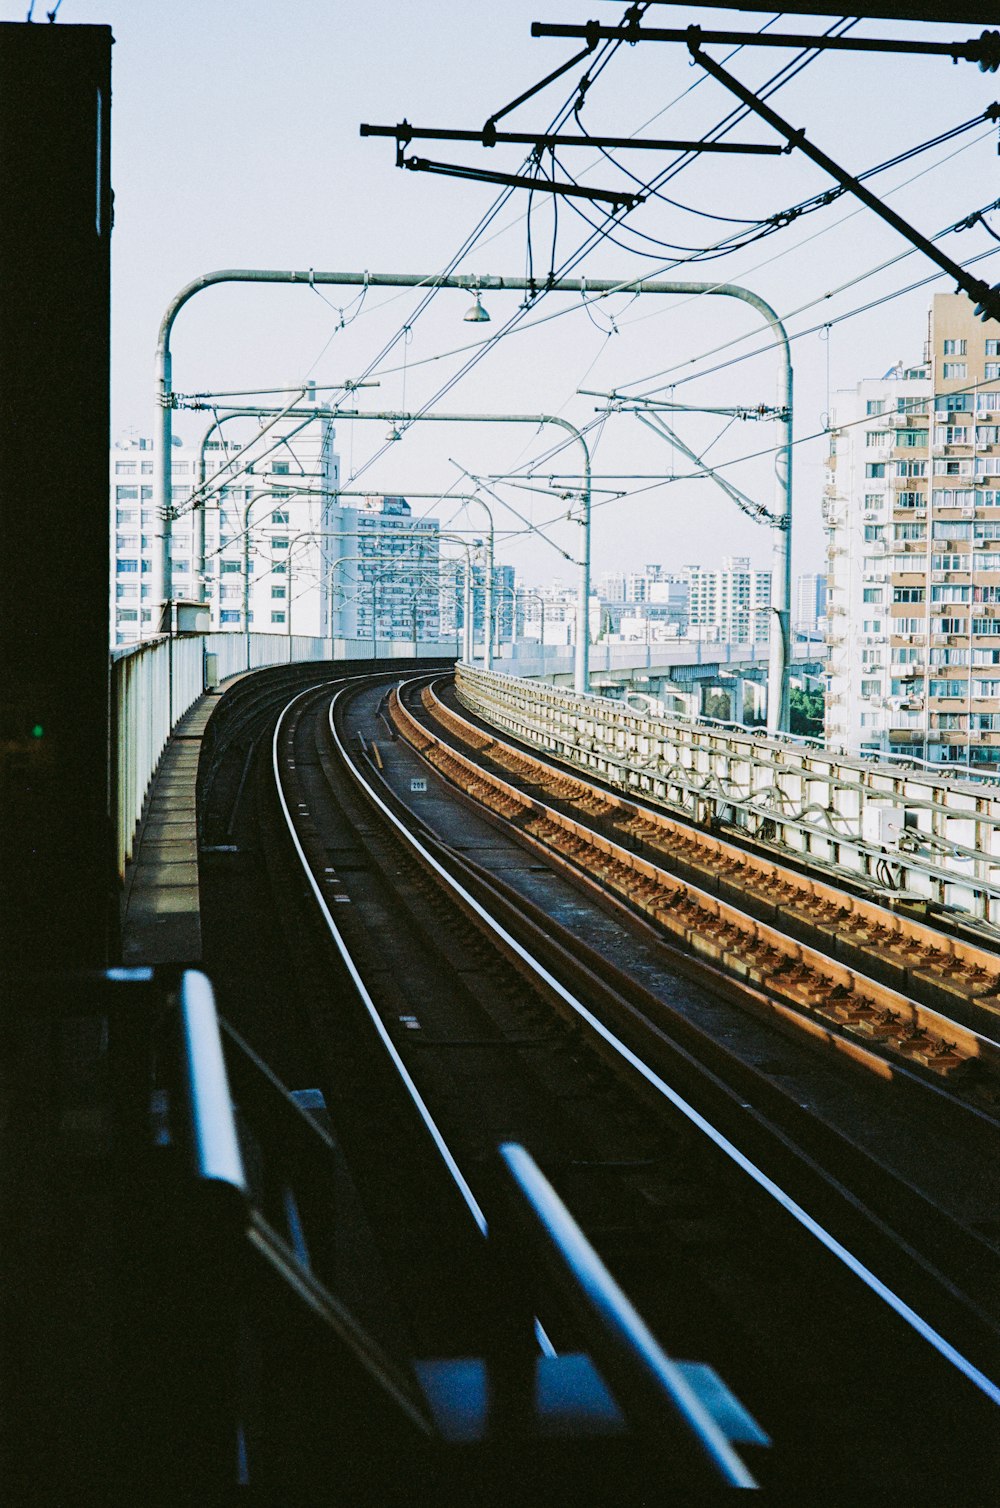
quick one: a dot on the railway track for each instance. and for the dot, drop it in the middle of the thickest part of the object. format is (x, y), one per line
(443, 1033)
(904, 990)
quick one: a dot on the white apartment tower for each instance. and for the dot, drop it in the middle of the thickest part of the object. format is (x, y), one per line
(912, 509)
(263, 557)
(810, 602)
(733, 604)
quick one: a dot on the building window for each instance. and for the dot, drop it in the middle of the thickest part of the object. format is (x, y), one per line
(947, 688)
(279, 544)
(227, 567)
(950, 656)
(911, 468)
(955, 369)
(127, 494)
(128, 615)
(948, 593)
(125, 468)
(279, 518)
(907, 594)
(126, 567)
(277, 617)
(874, 406)
(992, 371)
(954, 348)
(875, 469)
(993, 348)
(146, 468)
(873, 594)
(126, 589)
(280, 468)
(127, 516)
(871, 688)
(911, 439)
(877, 437)
(228, 616)
(181, 567)
(278, 593)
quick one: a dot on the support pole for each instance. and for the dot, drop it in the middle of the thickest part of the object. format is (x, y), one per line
(781, 584)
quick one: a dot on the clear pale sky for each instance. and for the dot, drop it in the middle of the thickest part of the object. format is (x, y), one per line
(235, 144)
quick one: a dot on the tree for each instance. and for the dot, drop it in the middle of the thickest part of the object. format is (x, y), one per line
(806, 712)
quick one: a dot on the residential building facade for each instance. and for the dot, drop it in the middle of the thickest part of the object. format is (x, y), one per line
(385, 579)
(731, 605)
(810, 603)
(912, 510)
(265, 530)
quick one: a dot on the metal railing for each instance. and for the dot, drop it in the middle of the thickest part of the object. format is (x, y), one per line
(652, 1391)
(927, 836)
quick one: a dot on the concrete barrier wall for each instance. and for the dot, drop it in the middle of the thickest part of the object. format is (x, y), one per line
(153, 684)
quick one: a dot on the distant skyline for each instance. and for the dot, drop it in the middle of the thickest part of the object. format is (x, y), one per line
(235, 143)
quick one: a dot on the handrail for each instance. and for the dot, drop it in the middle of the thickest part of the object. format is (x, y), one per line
(625, 1351)
(208, 1103)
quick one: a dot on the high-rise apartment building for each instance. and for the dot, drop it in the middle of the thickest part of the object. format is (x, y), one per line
(913, 520)
(269, 520)
(385, 576)
(810, 602)
(733, 604)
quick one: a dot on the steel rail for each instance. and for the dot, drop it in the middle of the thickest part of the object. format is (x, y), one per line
(702, 921)
(881, 1290)
(767, 880)
(417, 1100)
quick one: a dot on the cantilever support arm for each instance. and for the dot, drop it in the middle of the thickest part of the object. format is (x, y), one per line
(986, 299)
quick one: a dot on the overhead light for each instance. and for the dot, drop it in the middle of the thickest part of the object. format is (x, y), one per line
(393, 433)
(477, 315)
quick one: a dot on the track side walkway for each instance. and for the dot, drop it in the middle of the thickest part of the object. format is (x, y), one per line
(161, 913)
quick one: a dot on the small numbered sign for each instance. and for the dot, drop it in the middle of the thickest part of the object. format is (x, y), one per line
(418, 783)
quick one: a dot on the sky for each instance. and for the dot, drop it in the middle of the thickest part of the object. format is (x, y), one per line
(235, 143)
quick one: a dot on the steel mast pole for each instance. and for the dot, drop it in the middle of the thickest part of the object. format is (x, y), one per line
(781, 579)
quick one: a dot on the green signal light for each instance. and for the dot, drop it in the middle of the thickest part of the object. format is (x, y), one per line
(38, 731)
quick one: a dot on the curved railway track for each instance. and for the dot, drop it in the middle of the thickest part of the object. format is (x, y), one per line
(903, 988)
(450, 1016)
